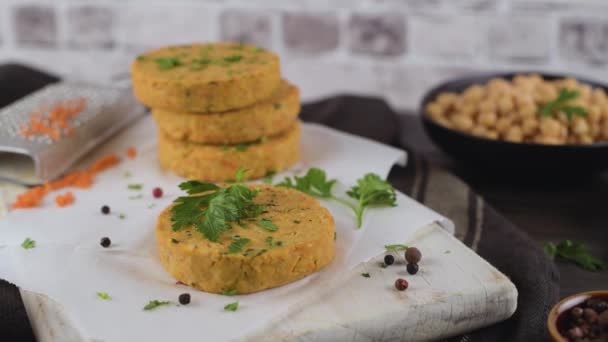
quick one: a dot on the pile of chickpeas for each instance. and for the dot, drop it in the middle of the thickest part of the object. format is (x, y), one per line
(510, 110)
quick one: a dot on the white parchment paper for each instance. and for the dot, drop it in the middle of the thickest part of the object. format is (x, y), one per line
(69, 266)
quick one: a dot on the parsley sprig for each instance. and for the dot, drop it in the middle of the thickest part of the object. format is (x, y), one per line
(153, 304)
(166, 63)
(370, 191)
(560, 104)
(574, 252)
(213, 208)
(395, 248)
(28, 243)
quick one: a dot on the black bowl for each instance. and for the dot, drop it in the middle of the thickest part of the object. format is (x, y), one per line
(508, 156)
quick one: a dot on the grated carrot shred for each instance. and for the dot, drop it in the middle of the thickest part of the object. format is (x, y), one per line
(131, 152)
(65, 199)
(56, 121)
(79, 179)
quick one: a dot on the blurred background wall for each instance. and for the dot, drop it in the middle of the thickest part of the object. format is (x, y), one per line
(392, 48)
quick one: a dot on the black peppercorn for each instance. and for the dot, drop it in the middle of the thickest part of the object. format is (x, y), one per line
(105, 210)
(105, 242)
(577, 312)
(412, 268)
(389, 259)
(184, 299)
(590, 315)
(413, 255)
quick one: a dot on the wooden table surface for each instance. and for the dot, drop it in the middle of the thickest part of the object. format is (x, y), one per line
(548, 208)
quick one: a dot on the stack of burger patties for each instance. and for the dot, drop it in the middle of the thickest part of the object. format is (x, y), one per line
(219, 107)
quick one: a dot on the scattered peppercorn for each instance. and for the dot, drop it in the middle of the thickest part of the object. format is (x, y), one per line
(105, 242)
(105, 210)
(157, 192)
(389, 259)
(590, 315)
(401, 284)
(413, 255)
(184, 299)
(598, 304)
(412, 268)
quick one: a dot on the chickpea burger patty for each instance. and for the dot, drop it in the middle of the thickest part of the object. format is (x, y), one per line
(302, 244)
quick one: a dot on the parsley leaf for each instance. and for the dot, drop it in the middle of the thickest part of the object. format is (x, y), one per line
(395, 248)
(314, 183)
(166, 63)
(103, 295)
(212, 211)
(233, 58)
(574, 252)
(237, 244)
(229, 293)
(371, 190)
(232, 306)
(135, 186)
(28, 243)
(242, 147)
(365, 275)
(153, 304)
(560, 104)
(267, 224)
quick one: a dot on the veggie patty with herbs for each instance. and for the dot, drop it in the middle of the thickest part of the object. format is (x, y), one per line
(267, 118)
(220, 162)
(291, 237)
(204, 78)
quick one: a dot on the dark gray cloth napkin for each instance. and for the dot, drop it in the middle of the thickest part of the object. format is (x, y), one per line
(478, 225)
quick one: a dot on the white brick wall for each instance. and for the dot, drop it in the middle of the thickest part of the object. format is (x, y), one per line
(391, 48)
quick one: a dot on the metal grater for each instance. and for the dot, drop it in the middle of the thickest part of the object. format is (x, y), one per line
(108, 108)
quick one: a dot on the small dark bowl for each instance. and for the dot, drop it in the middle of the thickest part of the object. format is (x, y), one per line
(508, 156)
(565, 305)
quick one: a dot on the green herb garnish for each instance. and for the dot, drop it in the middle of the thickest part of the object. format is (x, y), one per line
(242, 147)
(28, 243)
(395, 248)
(140, 196)
(122, 216)
(370, 191)
(267, 224)
(153, 304)
(104, 295)
(276, 105)
(365, 275)
(232, 306)
(166, 63)
(233, 58)
(560, 104)
(257, 49)
(574, 252)
(271, 243)
(237, 244)
(229, 293)
(214, 208)
(135, 186)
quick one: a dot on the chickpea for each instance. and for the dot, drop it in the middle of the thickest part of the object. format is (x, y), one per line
(543, 139)
(487, 106)
(487, 119)
(468, 109)
(598, 96)
(435, 110)
(550, 127)
(479, 131)
(514, 134)
(580, 126)
(474, 93)
(594, 113)
(498, 85)
(446, 99)
(528, 110)
(605, 130)
(585, 139)
(529, 126)
(462, 122)
(443, 121)
(491, 134)
(503, 124)
(505, 105)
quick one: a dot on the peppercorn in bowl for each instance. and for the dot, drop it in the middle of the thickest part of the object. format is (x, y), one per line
(580, 317)
(527, 122)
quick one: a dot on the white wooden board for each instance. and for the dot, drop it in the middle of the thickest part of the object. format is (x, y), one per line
(454, 292)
